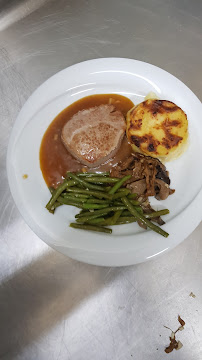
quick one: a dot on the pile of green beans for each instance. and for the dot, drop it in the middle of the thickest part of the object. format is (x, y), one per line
(104, 202)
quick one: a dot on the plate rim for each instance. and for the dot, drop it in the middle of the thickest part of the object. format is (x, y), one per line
(196, 201)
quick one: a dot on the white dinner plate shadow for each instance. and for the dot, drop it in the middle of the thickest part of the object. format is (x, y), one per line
(129, 244)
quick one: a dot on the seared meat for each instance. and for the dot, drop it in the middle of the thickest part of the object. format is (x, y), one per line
(149, 176)
(94, 135)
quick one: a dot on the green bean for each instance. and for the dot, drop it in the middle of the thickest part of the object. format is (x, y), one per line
(56, 194)
(157, 213)
(71, 183)
(121, 193)
(85, 218)
(58, 191)
(94, 206)
(132, 196)
(107, 210)
(102, 179)
(141, 217)
(116, 217)
(64, 201)
(79, 196)
(134, 202)
(139, 209)
(97, 201)
(119, 184)
(56, 204)
(91, 227)
(84, 183)
(108, 221)
(107, 188)
(114, 207)
(82, 212)
(87, 174)
(126, 220)
(98, 213)
(98, 220)
(72, 198)
(123, 189)
(126, 213)
(150, 215)
(117, 203)
(97, 194)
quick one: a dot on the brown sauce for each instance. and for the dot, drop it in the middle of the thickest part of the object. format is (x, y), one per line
(55, 160)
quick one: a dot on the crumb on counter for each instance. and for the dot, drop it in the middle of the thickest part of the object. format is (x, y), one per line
(182, 322)
(25, 176)
(174, 344)
(180, 345)
(192, 295)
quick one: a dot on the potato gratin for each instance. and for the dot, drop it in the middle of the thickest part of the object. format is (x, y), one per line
(158, 128)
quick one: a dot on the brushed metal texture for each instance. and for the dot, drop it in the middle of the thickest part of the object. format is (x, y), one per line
(52, 307)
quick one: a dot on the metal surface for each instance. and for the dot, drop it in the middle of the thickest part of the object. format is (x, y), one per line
(52, 307)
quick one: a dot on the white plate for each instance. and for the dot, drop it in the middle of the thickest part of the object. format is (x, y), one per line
(129, 244)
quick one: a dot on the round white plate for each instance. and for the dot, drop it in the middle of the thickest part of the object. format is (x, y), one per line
(129, 244)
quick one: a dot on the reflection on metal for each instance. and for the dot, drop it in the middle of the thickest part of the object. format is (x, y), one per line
(13, 11)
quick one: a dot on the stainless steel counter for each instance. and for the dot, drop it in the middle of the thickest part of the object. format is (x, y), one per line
(52, 307)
